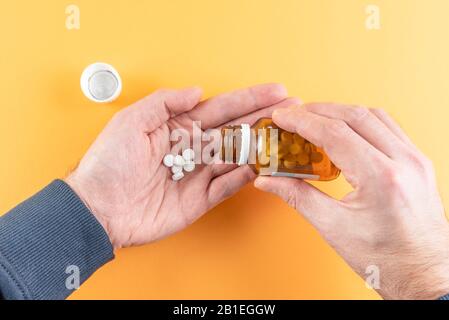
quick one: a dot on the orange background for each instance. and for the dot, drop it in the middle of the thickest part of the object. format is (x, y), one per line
(252, 246)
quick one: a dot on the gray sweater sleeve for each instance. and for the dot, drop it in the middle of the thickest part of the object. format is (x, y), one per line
(46, 242)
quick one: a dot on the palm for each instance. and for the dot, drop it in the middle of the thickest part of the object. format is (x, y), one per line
(168, 207)
(139, 202)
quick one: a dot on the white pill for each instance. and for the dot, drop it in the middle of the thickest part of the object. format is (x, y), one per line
(189, 166)
(168, 160)
(177, 176)
(176, 169)
(188, 155)
(179, 161)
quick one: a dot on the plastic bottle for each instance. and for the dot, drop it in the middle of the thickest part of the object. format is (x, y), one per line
(272, 151)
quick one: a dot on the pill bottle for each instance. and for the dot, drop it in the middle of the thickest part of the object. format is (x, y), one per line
(272, 151)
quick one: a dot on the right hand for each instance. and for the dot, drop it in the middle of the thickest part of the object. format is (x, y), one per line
(394, 219)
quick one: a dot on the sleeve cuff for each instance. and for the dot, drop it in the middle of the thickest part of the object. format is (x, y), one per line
(45, 241)
(446, 297)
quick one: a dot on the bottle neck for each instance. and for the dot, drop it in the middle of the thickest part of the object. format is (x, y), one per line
(236, 142)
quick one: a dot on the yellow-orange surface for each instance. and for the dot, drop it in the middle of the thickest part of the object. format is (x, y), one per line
(252, 246)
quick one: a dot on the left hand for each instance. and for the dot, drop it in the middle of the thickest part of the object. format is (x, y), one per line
(128, 189)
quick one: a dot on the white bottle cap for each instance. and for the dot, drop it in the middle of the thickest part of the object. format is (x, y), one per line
(101, 83)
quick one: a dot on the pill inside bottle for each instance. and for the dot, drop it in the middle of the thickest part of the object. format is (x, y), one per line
(272, 151)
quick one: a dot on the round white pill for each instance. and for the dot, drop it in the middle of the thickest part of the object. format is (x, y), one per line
(100, 82)
(179, 161)
(188, 154)
(177, 176)
(176, 169)
(189, 166)
(168, 160)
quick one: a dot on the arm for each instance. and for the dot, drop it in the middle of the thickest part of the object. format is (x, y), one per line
(121, 194)
(42, 237)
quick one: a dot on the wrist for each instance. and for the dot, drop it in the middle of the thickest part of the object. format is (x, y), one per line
(425, 286)
(88, 198)
(421, 274)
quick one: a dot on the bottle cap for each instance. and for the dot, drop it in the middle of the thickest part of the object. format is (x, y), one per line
(101, 83)
(245, 146)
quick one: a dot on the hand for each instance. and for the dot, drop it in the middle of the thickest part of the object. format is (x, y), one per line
(394, 218)
(122, 179)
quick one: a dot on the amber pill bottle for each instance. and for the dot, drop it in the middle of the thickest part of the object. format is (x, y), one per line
(272, 151)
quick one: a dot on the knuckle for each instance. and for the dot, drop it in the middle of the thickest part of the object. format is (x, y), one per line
(290, 198)
(379, 111)
(356, 113)
(390, 177)
(427, 163)
(421, 162)
(394, 186)
(337, 127)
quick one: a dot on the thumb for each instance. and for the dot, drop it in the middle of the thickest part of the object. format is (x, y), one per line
(317, 207)
(157, 108)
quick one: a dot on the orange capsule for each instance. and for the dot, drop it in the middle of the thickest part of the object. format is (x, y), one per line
(295, 149)
(289, 164)
(290, 157)
(303, 159)
(307, 148)
(316, 157)
(282, 151)
(298, 139)
(286, 137)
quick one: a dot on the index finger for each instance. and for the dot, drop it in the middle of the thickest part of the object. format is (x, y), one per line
(221, 109)
(349, 151)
